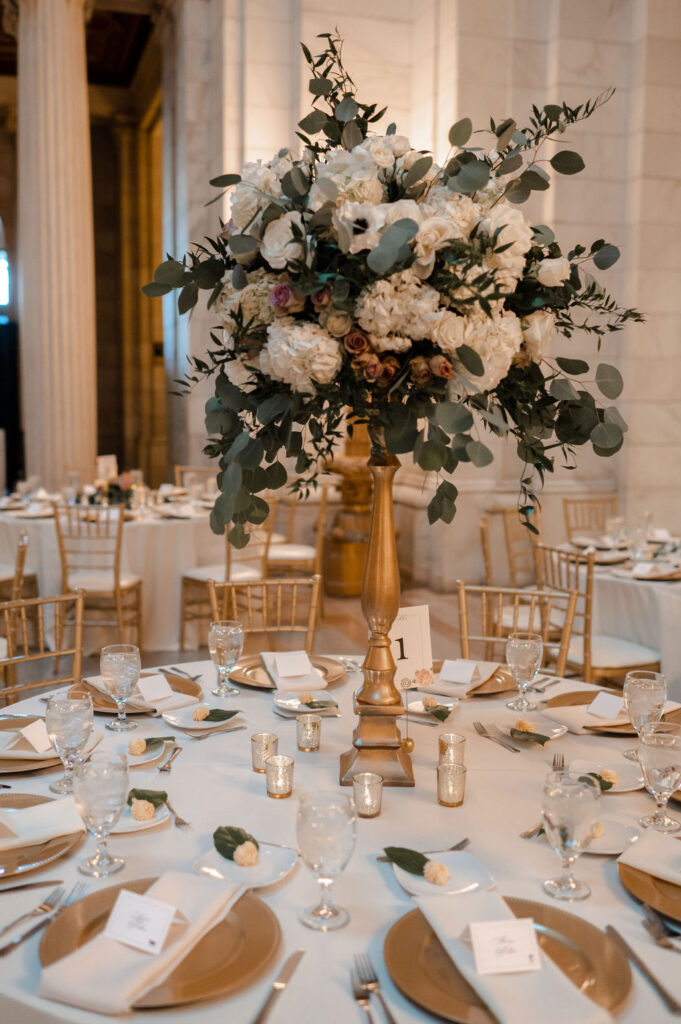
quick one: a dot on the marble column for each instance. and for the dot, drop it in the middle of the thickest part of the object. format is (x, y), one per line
(56, 240)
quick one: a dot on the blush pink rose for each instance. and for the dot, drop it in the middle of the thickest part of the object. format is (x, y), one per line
(356, 342)
(420, 370)
(441, 367)
(368, 364)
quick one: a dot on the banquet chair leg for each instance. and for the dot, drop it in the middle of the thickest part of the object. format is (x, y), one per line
(183, 614)
(120, 617)
(138, 616)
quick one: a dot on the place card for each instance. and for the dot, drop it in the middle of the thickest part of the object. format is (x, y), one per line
(457, 671)
(505, 947)
(153, 688)
(293, 663)
(34, 736)
(606, 705)
(643, 569)
(410, 645)
(140, 921)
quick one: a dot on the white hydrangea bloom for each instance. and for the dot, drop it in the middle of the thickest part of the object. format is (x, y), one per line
(399, 305)
(253, 299)
(514, 231)
(389, 343)
(463, 213)
(497, 340)
(354, 174)
(258, 182)
(300, 353)
(278, 246)
(239, 375)
(447, 330)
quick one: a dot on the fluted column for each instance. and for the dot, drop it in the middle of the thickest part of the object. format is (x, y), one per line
(56, 242)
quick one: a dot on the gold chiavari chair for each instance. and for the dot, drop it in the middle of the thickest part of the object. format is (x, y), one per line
(61, 614)
(240, 565)
(591, 656)
(518, 542)
(588, 514)
(534, 611)
(185, 476)
(15, 582)
(289, 559)
(269, 607)
(90, 541)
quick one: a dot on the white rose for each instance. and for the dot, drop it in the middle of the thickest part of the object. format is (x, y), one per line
(447, 330)
(400, 144)
(380, 150)
(279, 246)
(538, 331)
(434, 234)
(553, 273)
(253, 192)
(461, 211)
(337, 322)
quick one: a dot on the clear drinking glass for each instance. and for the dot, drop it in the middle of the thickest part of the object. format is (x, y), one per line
(524, 652)
(69, 723)
(614, 529)
(569, 813)
(225, 643)
(644, 696)
(326, 839)
(637, 538)
(120, 666)
(660, 756)
(100, 788)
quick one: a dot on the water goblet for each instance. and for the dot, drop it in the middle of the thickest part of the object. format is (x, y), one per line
(326, 838)
(225, 643)
(100, 788)
(660, 757)
(614, 529)
(644, 695)
(569, 810)
(524, 652)
(68, 721)
(120, 666)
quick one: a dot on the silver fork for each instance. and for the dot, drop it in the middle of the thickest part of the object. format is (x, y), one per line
(362, 995)
(168, 764)
(369, 981)
(49, 903)
(482, 731)
(541, 686)
(657, 929)
(79, 890)
(177, 819)
(558, 763)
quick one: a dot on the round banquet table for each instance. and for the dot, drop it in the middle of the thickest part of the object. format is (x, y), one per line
(156, 549)
(644, 612)
(212, 784)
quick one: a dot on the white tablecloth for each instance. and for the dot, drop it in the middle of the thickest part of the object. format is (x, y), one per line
(645, 613)
(157, 550)
(212, 783)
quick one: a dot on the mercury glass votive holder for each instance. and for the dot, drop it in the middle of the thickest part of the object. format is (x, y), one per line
(263, 745)
(451, 783)
(279, 776)
(308, 732)
(450, 747)
(368, 793)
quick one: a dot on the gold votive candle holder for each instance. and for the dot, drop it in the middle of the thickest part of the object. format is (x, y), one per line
(450, 747)
(263, 745)
(279, 776)
(451, 784)
(308, 732)
(368, 793)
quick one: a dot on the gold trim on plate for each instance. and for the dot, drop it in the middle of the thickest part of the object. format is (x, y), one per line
(250, 671)
(656, 892)
(29, 858)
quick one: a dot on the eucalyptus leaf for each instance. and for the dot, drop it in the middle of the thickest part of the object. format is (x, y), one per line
(417, 171)
(351, 135)
(243, 245)
(225, 180)
(314, 122)
(409, 860)
(320, 86)
(472, 177)
(479, 454)
(543, 235)
(460, 133)
(453, 417)
(562, 390)
(606, 435)
(609, 380)
(170, 272)
(606, 256)
(188, 297)
(471, 360)
(567, 162)
(155, 290)
(347, 109)
(572, 366)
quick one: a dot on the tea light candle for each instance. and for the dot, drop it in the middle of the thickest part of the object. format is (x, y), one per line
(279, 776)
(450, 747)
(263, 745)
(451, 783)
(308, 732)
(368, 791)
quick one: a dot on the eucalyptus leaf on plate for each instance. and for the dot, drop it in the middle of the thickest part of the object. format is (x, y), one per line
(157, 797)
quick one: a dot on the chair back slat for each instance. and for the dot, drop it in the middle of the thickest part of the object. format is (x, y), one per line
(518, 544)
(254, 555)
(19, 565)
(269, 606)
(89, 539)
(588, 514)
(570, 571)
(46, 612)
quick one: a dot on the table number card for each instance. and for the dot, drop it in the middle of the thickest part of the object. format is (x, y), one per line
(106, 467)
(505, 947)
(410, 644)
(140, 922)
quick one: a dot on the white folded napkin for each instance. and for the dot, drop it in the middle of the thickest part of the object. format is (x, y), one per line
(28, 826)
(105, 976)
(512, 998)
(577, 718)
(178, 700)
(12, 750)
(659, 533)
(457, 673)
(308, 680)
(657, 854)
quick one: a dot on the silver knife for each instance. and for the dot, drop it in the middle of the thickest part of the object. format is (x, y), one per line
(279, 984)
(22, 936)
(667, 998)
(31, 885)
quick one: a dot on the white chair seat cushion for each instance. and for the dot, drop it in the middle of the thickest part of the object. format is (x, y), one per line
(95, 581)
(3, 648)
(291, 553)
(238, 574)
(278, 538)
(522, 624)
(611, 652)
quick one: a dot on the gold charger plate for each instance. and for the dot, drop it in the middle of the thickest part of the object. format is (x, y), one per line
(576, 698)
(501, 681)
(29, 858)
(105, 705)
(420, 967)
(250, 671)
(10, 766)
(230, 957)
(656, 892)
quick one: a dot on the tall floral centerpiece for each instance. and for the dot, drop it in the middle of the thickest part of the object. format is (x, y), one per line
(361, 277)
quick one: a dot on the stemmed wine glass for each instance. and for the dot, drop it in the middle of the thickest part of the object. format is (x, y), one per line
(644, 696)
(69, 722)
(660, 757)
(120, 666)
(100, 788)
(326, 839)
(225, 643)
(569, 809)
(524, 653)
